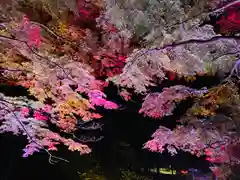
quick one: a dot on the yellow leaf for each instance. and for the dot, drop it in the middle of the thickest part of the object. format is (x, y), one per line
(190, 78)
(62, 28)
(201, 111)
(3, 32)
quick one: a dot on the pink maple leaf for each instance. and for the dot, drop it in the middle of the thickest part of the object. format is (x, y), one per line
(98, 98)
(38, 115)
(125, 95)
(33, 32)
(34, 36)
(47, 108)
(25, 111)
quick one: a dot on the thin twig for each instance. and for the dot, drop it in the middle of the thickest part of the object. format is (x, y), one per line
(49, 30)
(199, 14)
(40, 56)
(190, 41)
(51, 157)
(205, 12)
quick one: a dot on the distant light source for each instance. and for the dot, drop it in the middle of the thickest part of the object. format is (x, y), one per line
(184, 172)
(167, 171)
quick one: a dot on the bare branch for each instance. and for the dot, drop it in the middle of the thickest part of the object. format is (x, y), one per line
(51, 157)
(190, 41)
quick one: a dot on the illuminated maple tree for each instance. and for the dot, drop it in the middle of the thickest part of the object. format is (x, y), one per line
(52, 59)
(177, 43)
(66, 52)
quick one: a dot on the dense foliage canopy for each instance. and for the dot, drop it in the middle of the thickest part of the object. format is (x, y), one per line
(65, 52)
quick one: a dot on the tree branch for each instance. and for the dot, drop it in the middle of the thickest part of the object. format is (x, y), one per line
(41, 57)
(190, 41)
(49, 30)
(207, 13)
(51, 157)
